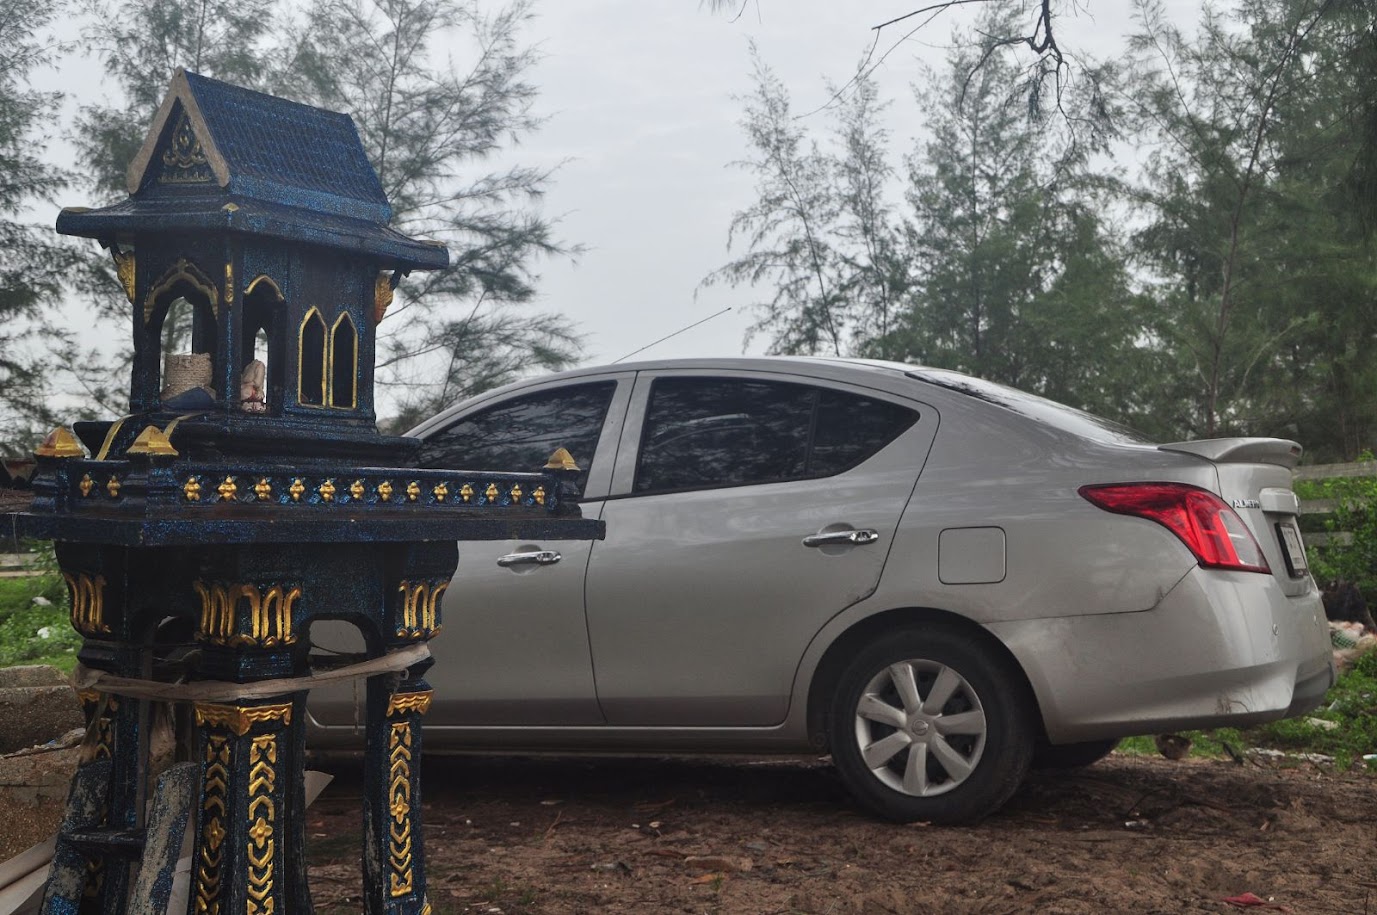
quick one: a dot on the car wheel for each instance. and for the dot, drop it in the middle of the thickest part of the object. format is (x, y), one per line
(1071, 755)
(930, 724)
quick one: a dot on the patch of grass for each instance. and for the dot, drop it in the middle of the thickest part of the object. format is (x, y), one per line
(37, 632)
(1351, 704)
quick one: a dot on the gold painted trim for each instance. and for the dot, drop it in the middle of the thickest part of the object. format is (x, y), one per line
(466, 492)
(264, 278)
(382, 295)
(404, 703)
(539, 495)
(354, 331)
(182, 270)
(60, 443)
(192, 489)
(327, 491)
(385, 491)
(561, 460)
(262, 817)
(86, 485)
(152, 440)
(88, 602)
(124, 269)
(214, 809)
(324, 358)
(228, 490)
(413, 491)
(440, 492)
(296, 489)
(229, 284)
(399, 806)
(263, 490)
(356, 490)
(239, 718)
(270, 614)
(112, 486)
(418, 612)
(491, 492)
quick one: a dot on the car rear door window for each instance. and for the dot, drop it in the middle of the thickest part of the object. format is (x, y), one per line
(710, 432)
(520, 434)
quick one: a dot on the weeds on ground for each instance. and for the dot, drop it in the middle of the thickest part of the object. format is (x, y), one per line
(35, 626)
(1351, 705)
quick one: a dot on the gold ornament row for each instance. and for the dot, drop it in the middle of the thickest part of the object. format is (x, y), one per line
(228, 490)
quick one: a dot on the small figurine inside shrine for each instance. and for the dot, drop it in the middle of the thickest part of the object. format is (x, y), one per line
(247, 495)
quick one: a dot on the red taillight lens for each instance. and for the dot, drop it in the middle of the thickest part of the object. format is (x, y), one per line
(1205, 523)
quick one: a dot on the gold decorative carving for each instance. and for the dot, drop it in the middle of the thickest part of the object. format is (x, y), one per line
(192, 489)
(356, 490)
(385, 491)
(516, 492)
(228, 490)
(296, 489)
(240, 718)
(229, 284)
(152, 440)
(182, 271)
(124, 269)
(99, 709)
(441, 491)
(491, 492)
(382, 295)
(466, 492)
(86, 485)
(561, 460)
(399, 806)
(327, 491)
(60, 443)
(270, 614)
(539, 495)
(184, 160)
(413, 491)
(214, 810)
(262, 818)
(404, 703)
(88, 602)
(263, 489)
(112, 486)
(419, 611)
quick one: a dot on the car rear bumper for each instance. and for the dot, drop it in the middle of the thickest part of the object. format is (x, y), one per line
(1220, 649)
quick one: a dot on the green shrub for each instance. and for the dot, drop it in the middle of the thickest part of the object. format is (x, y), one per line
(37, 631)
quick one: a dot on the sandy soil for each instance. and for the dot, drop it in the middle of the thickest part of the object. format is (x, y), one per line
(1129, 834)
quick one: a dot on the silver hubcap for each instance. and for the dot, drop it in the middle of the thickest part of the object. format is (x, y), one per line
(920, 727)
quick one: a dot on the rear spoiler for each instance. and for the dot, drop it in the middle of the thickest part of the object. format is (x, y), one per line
(1241, 450)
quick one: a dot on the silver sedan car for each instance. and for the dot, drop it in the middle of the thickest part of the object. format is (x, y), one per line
(931, 577)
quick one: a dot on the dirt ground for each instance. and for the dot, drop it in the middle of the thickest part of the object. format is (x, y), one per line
(1130, 834)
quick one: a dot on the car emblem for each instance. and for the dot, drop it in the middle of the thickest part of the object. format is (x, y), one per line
(1247, 503)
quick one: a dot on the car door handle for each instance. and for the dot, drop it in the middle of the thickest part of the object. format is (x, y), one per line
(535, 557)
(833, 538)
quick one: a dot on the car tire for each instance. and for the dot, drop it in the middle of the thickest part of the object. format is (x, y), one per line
(906, 759)
(1071, 755)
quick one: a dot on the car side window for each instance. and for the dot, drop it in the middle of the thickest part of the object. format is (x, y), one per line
(709, 432)
(850, 428)
(520, 434)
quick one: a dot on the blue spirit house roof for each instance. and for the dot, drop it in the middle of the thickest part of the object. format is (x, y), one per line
(221, 157)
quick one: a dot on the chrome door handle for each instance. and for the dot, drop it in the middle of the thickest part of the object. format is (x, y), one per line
(832, 538)
(535, 557)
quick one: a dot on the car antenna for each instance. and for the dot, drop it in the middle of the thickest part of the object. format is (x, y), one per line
(675, 334)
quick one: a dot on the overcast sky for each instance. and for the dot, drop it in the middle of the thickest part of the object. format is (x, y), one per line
(642, 104)
(640, 108)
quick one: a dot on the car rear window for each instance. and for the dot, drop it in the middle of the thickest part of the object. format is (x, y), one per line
(711, 432)
(1058, 416)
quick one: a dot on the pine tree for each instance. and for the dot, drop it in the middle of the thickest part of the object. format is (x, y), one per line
(31, 259)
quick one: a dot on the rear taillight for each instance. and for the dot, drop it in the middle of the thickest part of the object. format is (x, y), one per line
(1205, 523)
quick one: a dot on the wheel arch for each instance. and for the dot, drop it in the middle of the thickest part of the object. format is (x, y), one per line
(845, 645)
